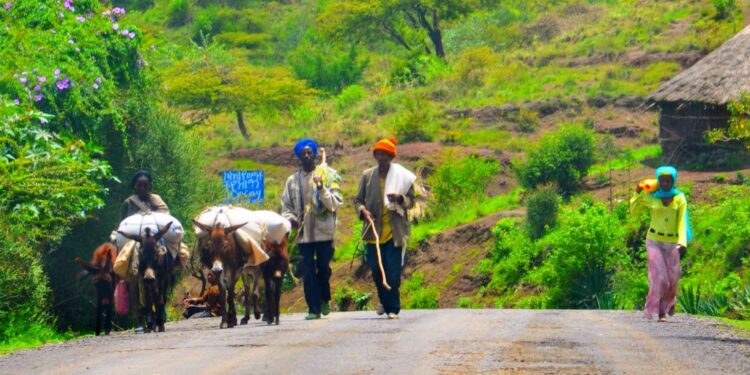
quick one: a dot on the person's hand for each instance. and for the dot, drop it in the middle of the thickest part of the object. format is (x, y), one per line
(318, 181)
(682, 250)
(366, 215)
(294, 222)
(638, 188)
(394, 197)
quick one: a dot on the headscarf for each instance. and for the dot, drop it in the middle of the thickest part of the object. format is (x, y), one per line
(386, 145)
(660, 193)
(138, 175)
(305, 142)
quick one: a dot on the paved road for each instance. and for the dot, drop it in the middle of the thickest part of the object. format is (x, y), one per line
(421, 342)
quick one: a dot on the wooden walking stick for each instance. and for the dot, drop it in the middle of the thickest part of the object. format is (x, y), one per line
(377, 250)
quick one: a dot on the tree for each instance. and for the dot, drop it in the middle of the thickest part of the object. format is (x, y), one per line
(212, 79)
(738, 128)
(406, 22)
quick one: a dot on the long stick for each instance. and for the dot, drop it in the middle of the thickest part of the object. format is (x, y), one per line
(377, 248)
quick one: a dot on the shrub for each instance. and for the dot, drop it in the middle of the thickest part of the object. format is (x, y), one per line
(471, 66)
(414, 122)
(347, 298)
(724, 9)
(461, 179)
(416, 295)
(541, 211)
(562, 157)
(526, 120)
(350, 96)
(326, 66)
(242, 40)
(179, 12)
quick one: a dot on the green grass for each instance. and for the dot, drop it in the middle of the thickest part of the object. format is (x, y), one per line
(636, 156)
(743, 325)
(34, 337)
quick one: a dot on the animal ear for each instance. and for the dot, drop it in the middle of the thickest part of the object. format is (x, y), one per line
(163, 230)
(202, 226)
(130, 236)
(233, 228)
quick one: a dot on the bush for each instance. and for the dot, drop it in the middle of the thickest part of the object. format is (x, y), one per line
(471, 66)
(584, 253)
(350, 96)
(725, 9)
(415, 295)
(179, 12)
(526, 120)
(541, 211)
(461, 179)
(562, 157)
(414, 122)
(326, 66)
(347, 298)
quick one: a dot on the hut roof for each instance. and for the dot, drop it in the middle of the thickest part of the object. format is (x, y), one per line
(718, 78)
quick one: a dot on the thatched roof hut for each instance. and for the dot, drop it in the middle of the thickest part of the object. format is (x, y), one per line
(696, 99)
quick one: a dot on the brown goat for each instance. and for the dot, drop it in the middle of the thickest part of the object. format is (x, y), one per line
(153, 268)
(274, 270)
(103, 276)
(226, 259)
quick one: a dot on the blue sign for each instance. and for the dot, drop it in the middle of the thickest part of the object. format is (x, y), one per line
(248, 184)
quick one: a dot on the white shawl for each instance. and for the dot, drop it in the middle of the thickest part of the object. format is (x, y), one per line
(398, 181)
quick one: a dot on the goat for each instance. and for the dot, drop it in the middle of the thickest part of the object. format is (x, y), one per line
(273, 278)
(223, 254)
(153, 268)
(104, 281)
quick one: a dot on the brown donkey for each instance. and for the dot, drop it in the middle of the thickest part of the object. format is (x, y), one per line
(226, 259)
(103, 276)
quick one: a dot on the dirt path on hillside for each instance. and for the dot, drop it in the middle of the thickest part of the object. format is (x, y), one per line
(421, 342)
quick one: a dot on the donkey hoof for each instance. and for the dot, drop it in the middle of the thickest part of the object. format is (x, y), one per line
(244, 321)
(256, 314)
(161, 328)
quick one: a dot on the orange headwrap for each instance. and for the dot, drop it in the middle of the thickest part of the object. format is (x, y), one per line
(386, 145)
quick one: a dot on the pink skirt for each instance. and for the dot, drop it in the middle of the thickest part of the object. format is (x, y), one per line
(663, 277)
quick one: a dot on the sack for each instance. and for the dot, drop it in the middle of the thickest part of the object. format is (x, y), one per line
(123, 262)
(136, 224)
(122, 298)
(249, 237)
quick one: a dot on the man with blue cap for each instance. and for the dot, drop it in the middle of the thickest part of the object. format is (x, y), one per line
(310, 200)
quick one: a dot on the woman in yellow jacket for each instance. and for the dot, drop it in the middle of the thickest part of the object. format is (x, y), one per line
(666, 238)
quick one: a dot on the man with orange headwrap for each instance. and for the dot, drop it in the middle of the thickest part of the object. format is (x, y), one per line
(386, 193)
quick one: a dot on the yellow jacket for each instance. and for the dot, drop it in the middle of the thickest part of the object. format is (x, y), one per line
(667, 222)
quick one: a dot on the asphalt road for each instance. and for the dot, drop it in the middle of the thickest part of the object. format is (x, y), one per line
(421, 342)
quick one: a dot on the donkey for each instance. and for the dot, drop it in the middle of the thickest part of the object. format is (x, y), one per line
(153, 268)
(222, 254)
(100, 268)
(274, 270)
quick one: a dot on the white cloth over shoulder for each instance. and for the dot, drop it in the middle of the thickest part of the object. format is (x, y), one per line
(398, 181)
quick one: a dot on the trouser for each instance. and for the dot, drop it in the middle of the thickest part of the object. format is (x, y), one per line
(663, 277)
(316, 273)
(197, 311)
(391, 257)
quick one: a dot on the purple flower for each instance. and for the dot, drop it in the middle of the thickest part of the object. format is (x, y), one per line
(42, 79)
(106, 12)
(125, 32)
(16, 101)
(37, 88)
(57, 73)
(8, 5)
(89, 14)
(22, 79)
(115, 26)
(95, 86)
(98, 79)
(71, 41)
(80, 19)
(131, 35)
(43, 120)
(61, 15)
(118, 11)
(38, 97)
(69, 5)
(63, 84)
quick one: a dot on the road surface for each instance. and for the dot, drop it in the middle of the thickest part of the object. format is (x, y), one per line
(421, 342)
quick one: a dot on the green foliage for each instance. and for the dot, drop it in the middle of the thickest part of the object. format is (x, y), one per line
(724, 8)
(562, 157)
(350, 96)
(541, 211)
(472, 66)
(414, 123)
(416, 295)
(326, 66)
(526, 120)
(242, 40)
(739, 123)
(584, 253)
(347, 298)
(179, 12)
(461, 179)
